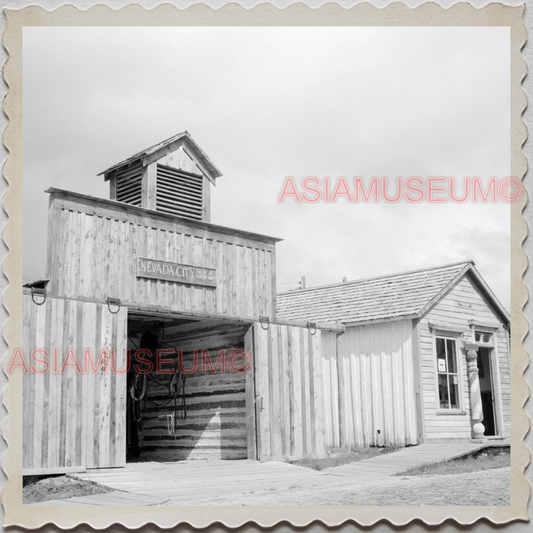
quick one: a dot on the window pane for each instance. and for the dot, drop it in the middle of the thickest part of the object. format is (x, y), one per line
(452, 366)
(443, 391)
(440, 348)
(454, 392)
(441, 355)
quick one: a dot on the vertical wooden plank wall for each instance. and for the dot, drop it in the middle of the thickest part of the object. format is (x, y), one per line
(378, 385)
(95, 244)
(330, 395)
(71, 419)
(289, 389)
(504, 371)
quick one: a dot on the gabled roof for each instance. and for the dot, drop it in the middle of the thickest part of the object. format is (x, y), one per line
(405, 295)
(157, 151)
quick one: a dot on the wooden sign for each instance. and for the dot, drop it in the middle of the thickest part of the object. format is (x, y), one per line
(192, 275)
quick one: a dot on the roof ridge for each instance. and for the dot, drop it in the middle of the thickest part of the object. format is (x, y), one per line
(162, 143)
(140, 153)
(185, 137)
(353, 282)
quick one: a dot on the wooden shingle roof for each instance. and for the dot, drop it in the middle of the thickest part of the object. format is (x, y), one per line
(158, 150)
(404, 295)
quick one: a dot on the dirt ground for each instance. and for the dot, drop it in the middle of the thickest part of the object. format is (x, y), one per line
(487, 487)
(59, 488)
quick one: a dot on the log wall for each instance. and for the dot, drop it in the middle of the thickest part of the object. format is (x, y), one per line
(94, 246)
(215, 426)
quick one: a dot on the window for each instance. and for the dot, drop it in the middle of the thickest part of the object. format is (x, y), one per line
(483, 338)
(447, 373)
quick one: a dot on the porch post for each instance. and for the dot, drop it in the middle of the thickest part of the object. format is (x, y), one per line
(476, 408)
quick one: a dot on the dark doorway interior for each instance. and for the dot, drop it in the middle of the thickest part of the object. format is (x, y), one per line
(196, 413)
(487, 396)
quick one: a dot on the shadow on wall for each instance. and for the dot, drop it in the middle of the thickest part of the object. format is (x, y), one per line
(201, 415)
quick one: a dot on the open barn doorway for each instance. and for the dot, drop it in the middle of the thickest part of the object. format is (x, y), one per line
(186, 389)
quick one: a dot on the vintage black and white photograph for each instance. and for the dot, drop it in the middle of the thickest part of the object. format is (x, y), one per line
(266, 266)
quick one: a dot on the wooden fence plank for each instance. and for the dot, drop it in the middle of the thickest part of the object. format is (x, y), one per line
(251, 434)
(297, 390)
(286, 400)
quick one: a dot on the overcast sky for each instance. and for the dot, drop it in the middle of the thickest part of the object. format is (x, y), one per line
(267, 103)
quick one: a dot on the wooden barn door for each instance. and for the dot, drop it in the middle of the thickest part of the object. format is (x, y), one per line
(288, 389)
(73, 420)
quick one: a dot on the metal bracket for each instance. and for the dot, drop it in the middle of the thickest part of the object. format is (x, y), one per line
(115, 302)
(264, 320)
(40, 292)
(311, 326)
(259, 402)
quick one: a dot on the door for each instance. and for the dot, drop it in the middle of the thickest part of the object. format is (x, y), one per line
(288, 391)
(74, 410)
(487, 392)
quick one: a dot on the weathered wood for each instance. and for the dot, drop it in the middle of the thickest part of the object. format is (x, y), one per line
(418, 378)
(463, 302)
(289, 390)
(149, 180)
(206, 200)
(375, 375)
(285, 386)
(106, 232)
(119, 211)
(331, 389)
(65, 414)
(251, 433)
(342, 391)
(110, 269)
(52, 470)
(217, 400)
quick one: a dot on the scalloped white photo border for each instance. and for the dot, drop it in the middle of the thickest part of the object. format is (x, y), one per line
(396, 14)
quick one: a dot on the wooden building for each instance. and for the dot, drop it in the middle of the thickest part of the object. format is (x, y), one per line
(158, 335)
(424, 357)
(146, 270)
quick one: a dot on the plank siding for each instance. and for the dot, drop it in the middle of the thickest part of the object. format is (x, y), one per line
(72, 419)
(216, 423)
(504, 367)
(289, 392)
(378, 385)
(462, 303)
(330, 388)
(118, 234)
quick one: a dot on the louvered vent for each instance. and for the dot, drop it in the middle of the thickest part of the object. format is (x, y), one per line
(129, 185)
(179, 193)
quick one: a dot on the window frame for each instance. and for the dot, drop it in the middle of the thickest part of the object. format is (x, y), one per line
(454, 337)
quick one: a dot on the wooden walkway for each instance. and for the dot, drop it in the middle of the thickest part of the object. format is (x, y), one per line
(394, 463)
(186, 482)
